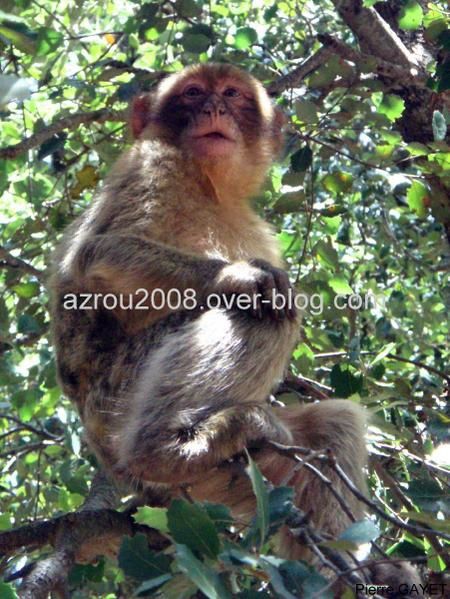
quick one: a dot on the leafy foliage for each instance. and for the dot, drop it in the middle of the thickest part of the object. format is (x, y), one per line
(360, 201)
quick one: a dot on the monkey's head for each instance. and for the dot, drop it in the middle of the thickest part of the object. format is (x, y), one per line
(219, 116)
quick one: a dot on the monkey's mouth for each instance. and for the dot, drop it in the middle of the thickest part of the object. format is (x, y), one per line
(215, 135)
(212, 142)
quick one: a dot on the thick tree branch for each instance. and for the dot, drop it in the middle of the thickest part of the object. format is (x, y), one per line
(93, 530)
(383, 68)
(90, 523)
(373, 33)
(68, 122)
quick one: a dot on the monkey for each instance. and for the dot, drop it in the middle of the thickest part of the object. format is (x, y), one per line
(169, 395)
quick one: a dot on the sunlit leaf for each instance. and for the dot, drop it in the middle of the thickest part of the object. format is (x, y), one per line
(245, 37)
(416, 197)
(411, 15)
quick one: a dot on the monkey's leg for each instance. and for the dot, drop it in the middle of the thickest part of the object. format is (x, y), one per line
(201, 396)
(337, 425)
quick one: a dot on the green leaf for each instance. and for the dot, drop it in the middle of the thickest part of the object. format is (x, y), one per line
(80, 574)
(327, 254)
(302, 159)
(340, 285)
(190, 525)
(426, 493)
(280, 505)
(262, 499)
(204, 577)
(144, 588)
(430, 520)
(332, 224)
(19, 35)
(290, 202)
(391, 106)
(411, 16)
(439, 126)
(219, 514)
(27, 324)
(306, 111)
(297, 575)
(270, 13)
(5, 522)
(360, 532)
(416, 195)
(244, 38)
(195, 42)
(418, 149)
(339, 182)
(387, 349)
(188, 8)
(345, 380)
(47, 41)
(7, 591)
(276, 580)
(137, 561)
(26, 290)
(155, 517)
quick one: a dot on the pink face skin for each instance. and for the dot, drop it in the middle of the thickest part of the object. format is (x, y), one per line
(212, 139)
(215, 133)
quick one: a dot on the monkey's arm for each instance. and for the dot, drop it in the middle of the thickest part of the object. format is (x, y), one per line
(124, 263)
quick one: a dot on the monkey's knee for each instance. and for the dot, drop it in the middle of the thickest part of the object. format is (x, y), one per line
(337, 425)
(193, 441)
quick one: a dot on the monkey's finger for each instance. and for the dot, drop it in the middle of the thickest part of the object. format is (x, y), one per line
(268, 288)
(286, 289)
(255, 301)
(279, 298)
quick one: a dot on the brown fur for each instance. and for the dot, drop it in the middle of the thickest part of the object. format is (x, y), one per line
(167, 396)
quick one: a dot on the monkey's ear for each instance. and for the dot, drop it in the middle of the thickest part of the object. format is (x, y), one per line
(280, 118)
(140, 114)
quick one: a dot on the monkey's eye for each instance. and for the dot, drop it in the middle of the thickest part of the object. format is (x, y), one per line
(231, 92)
(193, 91)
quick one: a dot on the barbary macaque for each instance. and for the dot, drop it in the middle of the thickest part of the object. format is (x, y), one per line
(170, 394)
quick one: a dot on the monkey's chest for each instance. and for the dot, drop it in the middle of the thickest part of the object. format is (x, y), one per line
(232, 240)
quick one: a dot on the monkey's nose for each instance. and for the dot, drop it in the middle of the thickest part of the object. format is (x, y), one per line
(214, 109)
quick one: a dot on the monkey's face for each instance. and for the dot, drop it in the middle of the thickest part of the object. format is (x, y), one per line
(213, 112)
(211, 116)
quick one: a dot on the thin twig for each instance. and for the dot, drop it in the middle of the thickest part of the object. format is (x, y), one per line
(7, 259)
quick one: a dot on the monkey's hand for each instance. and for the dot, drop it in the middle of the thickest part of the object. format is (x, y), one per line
(186, 452)
(256, 287)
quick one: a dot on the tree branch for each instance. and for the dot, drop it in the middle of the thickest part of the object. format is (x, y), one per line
(384, 68)
(78, 536)
(374, 34)
(68, 122)
(292, 79)
(6, 259)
